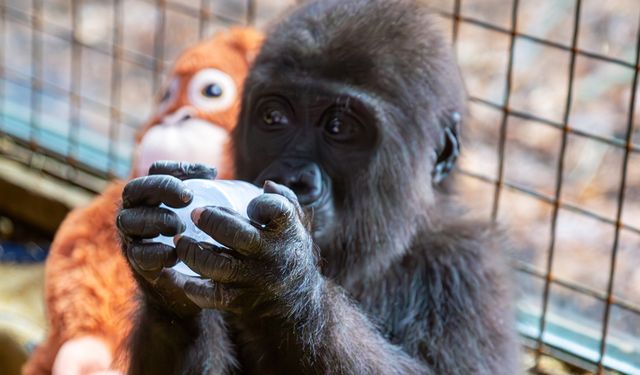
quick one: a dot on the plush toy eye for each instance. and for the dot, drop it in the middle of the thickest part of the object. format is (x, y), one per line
(165, 96)
(212, 90)
(169, 94)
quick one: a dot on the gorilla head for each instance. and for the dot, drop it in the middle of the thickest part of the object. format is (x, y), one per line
(359, 116)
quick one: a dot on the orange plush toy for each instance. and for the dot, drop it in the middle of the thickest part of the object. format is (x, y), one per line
(90, 292)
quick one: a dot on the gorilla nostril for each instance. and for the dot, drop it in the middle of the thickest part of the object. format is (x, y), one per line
(299, 188)
(302, 177)
(307, 193)
(309, 196)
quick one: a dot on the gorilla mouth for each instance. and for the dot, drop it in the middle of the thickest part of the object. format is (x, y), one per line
(320, 213)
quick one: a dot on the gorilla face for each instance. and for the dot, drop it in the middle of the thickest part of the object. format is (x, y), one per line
(354, 125)
(311, 138)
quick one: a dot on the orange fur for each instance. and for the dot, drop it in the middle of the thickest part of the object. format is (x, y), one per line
(88, 285)
(89, 289)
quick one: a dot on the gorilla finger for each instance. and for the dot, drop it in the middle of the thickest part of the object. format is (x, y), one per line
(208, 294)
(211, 262)
(274, 211)
(228, 227)
(183, 170)
(171, 284)
(275, 188)
(156, 189)
(149, 222)
(154, 256)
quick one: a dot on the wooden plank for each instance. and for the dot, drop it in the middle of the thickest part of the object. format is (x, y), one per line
(35, 198)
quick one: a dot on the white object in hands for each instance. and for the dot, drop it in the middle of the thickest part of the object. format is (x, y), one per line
(231, 194)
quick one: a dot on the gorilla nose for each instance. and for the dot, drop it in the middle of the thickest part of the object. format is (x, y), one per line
(304, 179)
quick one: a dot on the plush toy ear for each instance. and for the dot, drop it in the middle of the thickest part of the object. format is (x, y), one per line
(247, 41)
(448, 150)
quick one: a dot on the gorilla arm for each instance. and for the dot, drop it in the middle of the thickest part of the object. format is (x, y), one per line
(269, 284)
(439, 309)
(171, 334)
(283, 300)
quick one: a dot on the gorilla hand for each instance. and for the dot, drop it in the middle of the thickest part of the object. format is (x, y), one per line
(268, 266)
(141, 218)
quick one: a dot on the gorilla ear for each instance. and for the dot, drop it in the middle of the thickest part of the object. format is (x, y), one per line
(449, 149)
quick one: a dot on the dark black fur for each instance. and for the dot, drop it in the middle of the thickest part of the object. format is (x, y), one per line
(403, 284)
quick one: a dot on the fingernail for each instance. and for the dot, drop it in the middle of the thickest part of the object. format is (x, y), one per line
(186, 195)
(196, 213)
(268, 185)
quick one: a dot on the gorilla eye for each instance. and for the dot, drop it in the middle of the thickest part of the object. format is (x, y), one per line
(275, 117)
(212, 90)
(334, 126)
(343, 127)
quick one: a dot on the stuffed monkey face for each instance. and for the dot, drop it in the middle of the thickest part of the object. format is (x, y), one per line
(200, 103)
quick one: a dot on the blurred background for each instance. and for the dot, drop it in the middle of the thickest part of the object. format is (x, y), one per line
(551, 146)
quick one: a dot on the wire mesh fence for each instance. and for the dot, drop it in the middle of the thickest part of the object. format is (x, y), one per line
(591, 292)
(552, 145)
(79, 77)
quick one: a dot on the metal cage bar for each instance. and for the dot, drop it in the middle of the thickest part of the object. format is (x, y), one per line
(621, 200)
(203, 18)
(75, 101)
(36, 71)
(158, 44)
(505, 113)
(116, 85)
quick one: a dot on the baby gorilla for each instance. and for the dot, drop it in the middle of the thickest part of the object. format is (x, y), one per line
(355, 260)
